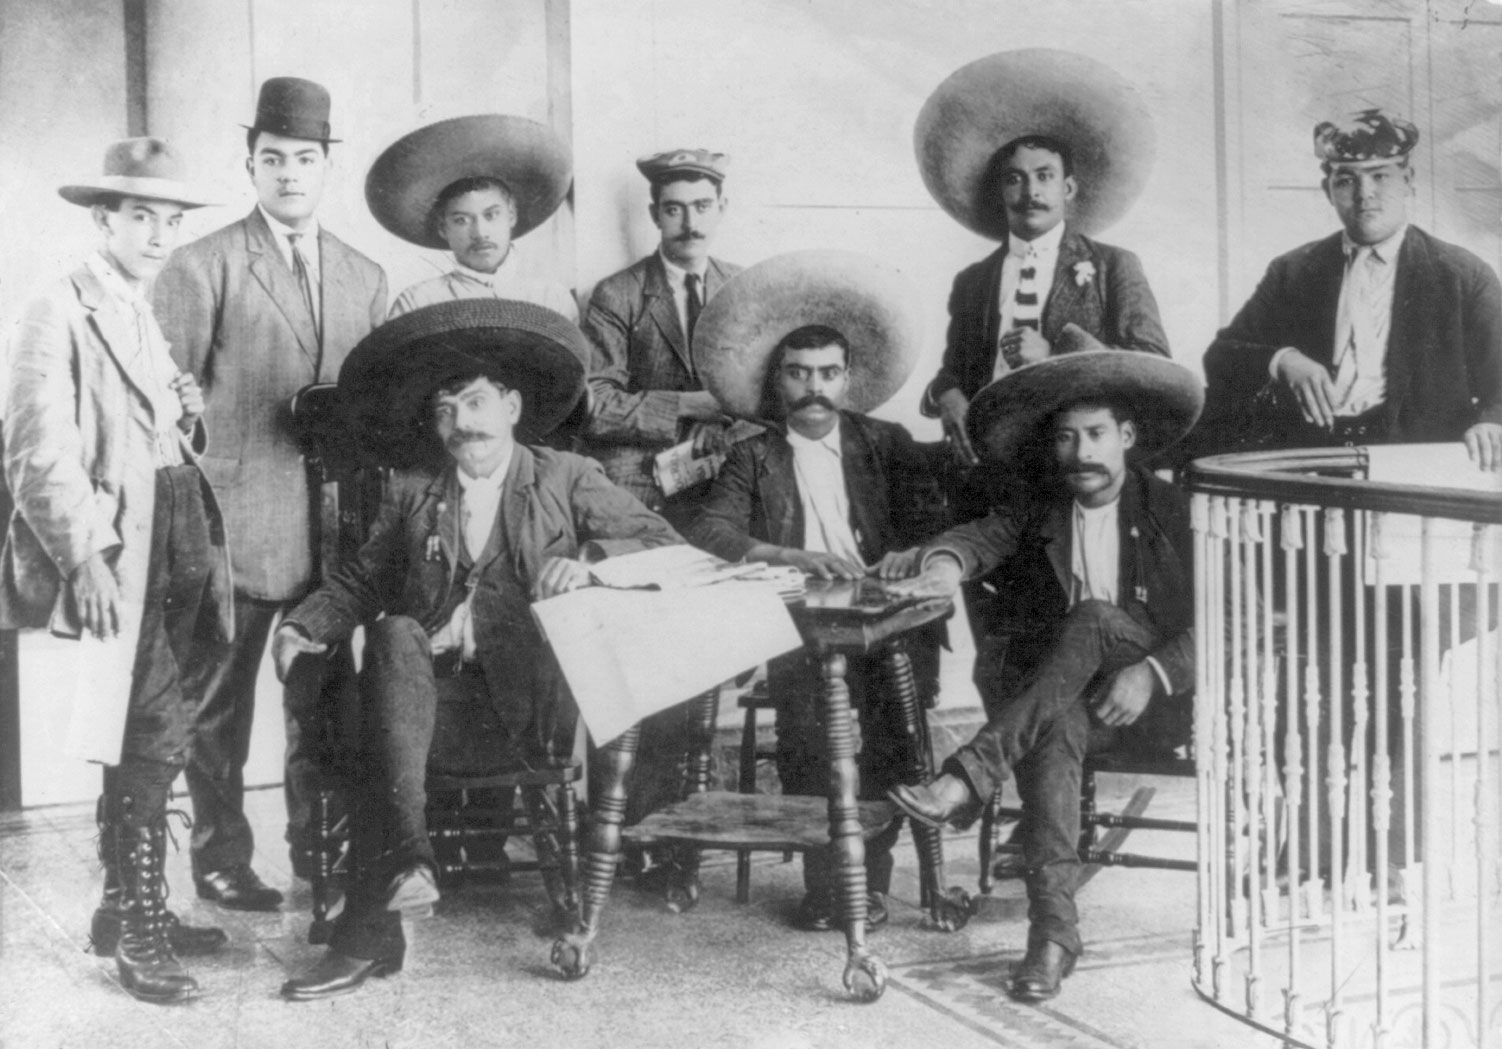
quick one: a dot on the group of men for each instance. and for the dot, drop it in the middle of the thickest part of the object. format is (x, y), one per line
(161, 494)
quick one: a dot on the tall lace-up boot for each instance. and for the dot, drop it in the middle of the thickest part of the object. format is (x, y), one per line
(148, 967)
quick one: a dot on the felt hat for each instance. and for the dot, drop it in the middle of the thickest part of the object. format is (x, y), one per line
(1368, 137)
(692, 161)
(294, 108)
(1037, 91)
(868, 301)
(405, 180)
(1007, 417)
(390, 376)
(136, 167)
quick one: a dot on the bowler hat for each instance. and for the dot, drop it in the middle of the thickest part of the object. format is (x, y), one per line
(1007, 417)
(870, 302)
(389, 378)
(293, 108)
(405, 180)
(1066, 96)
(136, 167)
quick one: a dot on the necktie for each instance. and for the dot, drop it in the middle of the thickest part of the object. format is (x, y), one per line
(1026, 312)
(305, 281)
(1363, 277)
(694, 303)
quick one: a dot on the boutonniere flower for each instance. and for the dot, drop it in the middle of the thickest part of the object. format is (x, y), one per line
(1084, 273)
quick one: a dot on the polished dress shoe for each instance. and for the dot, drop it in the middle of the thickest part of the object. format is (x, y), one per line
(1042, 971)
(816, 912)
(237, 889)
(337, 973)
(947, 801)
(413, 891)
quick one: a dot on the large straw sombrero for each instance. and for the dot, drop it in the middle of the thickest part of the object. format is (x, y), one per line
(868, 301)
(1038, 91)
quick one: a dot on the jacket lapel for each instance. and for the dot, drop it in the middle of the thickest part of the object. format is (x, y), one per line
(1065, 291)
(516, 510)
(779, 493)
(444, 492)
(1130, 517)
(664, 311)
(114, 330)
(1322, 280)
(992, 292)
(271, 270)
(1055, 533)
(863, 488)
(1407, 332)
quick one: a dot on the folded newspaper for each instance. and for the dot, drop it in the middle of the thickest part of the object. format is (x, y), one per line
(678, 467)
(667, 568)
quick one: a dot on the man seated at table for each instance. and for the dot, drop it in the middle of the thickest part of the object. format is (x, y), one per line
(462, 545)
(1099, 553)
(828, 490)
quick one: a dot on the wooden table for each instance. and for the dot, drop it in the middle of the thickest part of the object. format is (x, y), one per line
(837, 620)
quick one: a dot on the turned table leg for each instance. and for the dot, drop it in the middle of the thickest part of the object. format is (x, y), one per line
(703, 712)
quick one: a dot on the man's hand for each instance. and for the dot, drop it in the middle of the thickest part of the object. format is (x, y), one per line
(287, 644)
(191, 399)
(1130, 692)
(1483, 443)
(819, 564)
(952, 408)
(1023, 346)
(1311, 386)
(899, 564)
(700, 405)
(559, 576)
(96, 595)
(939, 578)
(709, 438)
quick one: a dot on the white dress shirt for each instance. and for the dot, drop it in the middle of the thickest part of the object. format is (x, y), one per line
(307, 243)
(1363, 319)
(510, 281)
(1095, 561)
(479, 507)
(676, 274)
(1041, 253)
(819, 472)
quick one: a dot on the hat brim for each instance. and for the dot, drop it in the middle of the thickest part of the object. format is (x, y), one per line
(1037, 91)
(1006, 419)
(870, 302)
(389, 379)
(107, 187)
(405, 180)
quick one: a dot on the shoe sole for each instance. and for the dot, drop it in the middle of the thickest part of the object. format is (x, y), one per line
(379, 971)
(162, 999)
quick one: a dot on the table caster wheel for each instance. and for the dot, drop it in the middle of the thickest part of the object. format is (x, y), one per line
(953, 912)
(573, 955)
(865, 977)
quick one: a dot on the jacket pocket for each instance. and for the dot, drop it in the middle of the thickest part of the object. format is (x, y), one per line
(222, 473)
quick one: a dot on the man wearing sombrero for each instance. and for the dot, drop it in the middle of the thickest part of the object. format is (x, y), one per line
(473, 528)
(812, 341)
(117, 535)
(1102, 558)
(474, 185)
(258, 310)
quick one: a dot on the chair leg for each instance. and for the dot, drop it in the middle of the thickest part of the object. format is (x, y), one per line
(570, 848)
(327, 848)
(987, 842)
(1087, 812)
(746, 785)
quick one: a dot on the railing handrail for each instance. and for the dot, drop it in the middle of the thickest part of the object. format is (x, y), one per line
(1291, 476)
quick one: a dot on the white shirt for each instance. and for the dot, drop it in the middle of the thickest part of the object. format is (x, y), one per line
(819, 472)
(1042, 254)
(479, 505)
(509, 281)
(307, 243)
(1363, 319)
(676, 274)
(1095, 561)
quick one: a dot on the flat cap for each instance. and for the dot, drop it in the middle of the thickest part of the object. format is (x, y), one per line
(696, 161)
(1369, 136)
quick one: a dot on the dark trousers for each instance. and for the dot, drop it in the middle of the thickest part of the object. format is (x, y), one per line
(160, 717)
(1042, 734)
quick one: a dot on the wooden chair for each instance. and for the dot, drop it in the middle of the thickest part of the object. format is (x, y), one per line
(753, 701)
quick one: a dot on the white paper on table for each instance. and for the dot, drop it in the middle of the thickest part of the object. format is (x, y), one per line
(1452, 543)
(101, 692)
(666, 568)
(630, 653)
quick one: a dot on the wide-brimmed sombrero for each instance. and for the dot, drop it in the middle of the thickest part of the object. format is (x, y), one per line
(866, 300)
(1007, 418)
(405, 180)
(148, 168)
(388, 380)
(1037, 91)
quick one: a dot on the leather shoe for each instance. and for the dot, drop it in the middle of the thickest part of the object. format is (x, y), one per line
(1042, 971)
(413, 891)
(816, 912)
(186, 940)
(336, 973)
(929, 806)
(237, 889)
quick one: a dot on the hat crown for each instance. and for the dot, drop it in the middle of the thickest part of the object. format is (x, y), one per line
(143, 158)
(1364, 136)
(293, 107)
(698, 161)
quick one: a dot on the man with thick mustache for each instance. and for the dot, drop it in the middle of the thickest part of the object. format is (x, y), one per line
(1101, 551)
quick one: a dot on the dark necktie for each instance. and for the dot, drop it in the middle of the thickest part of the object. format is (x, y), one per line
(1025, 308)
(305, 282)
(694, 300)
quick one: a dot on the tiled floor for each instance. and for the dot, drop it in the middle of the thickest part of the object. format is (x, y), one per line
(721, 975)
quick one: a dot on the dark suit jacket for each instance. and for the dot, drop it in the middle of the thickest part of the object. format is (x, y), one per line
(1115, 305)
(234, 314)
(1444, 348)
(640, 364)
(1029, 539)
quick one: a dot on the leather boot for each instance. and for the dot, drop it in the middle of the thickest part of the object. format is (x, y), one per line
(104, 930)
(148, 968)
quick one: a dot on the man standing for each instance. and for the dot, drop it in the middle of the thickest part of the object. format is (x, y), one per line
(1102, 550)
(260, 309)
(830, 491)
(116, 535)
(457, 555)
(1379, 333)
(474, 185)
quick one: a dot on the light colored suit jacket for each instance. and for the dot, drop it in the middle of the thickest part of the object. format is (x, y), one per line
(236, 319)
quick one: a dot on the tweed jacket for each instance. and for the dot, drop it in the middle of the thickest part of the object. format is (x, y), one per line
(236, 319)
(1444, 347)
(639, 365)
(553, 504)
(1115, 305)
(80, 463)
(1029, 537)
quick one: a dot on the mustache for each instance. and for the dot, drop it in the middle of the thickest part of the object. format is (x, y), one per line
(1075, 469)
(692, 234)
(459, 437)
(475, 245)
(811, 400)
